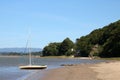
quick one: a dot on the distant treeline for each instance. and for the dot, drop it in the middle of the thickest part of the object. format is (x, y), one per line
(103, 42)
(17, 53)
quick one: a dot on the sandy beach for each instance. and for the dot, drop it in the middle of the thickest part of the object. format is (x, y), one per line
(108, 71)
(100, 71)
(76, 72)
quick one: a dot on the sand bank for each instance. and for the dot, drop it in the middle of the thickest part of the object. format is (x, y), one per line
(77, 72)
(101, 71)
(108, 71)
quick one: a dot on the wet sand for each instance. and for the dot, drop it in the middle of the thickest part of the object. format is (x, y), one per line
(108, 71)
(75, 72)
(100, 71)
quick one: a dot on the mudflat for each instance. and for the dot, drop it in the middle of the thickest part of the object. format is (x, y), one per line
(75, 72)
(99, 71)
(108, 71)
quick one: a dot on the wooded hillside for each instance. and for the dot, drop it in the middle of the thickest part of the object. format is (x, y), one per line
(103, 42)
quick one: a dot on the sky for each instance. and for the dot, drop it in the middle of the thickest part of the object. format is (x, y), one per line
(52, 20)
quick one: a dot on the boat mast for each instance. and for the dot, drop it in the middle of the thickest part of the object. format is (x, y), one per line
(29, 48)
(29, 51)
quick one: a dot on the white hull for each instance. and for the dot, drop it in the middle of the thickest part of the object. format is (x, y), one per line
(33, 67)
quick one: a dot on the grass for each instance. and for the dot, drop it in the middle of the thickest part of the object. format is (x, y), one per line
(111, 58)
(118, 58)
(57, 57)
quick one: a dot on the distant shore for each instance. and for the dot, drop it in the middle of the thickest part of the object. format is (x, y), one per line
(17, 56)
(45, 56)
(69, 57)
(9, 56)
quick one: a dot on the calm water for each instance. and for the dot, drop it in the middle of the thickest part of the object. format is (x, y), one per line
(9, 65)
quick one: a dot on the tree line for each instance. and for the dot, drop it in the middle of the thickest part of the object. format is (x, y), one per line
(21, 53)
(102, 42)
(59, 49)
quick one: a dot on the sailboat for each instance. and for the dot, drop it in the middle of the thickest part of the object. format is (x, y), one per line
(30, 65)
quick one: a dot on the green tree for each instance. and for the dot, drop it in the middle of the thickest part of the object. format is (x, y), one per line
(111, 48)
(66, 47)
(83, 46)
(51, 50)
(108, 39)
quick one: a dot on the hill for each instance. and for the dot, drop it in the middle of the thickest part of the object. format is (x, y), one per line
(18, 50)
(103, 42)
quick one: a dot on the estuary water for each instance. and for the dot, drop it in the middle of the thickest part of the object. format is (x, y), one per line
(9, 66)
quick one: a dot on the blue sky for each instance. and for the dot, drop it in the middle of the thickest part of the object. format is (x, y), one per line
(52, 20)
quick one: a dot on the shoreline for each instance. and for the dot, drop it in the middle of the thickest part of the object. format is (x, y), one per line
(75, 72)
(99, 71)
(108, 70)
(64, 57)
(61, 57)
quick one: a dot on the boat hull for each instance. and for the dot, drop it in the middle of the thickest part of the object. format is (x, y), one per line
(33, 67)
